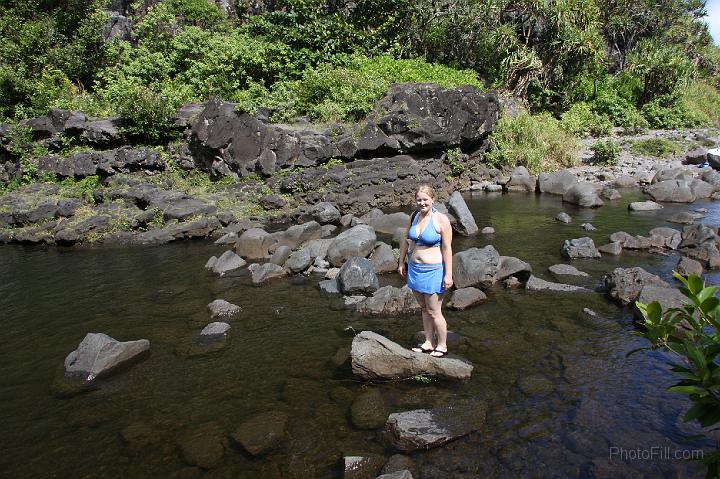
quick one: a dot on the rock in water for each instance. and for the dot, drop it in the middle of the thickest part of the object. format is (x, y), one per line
(376, 357)
(625, 285)
(423, 429)
(580, 248)
(537, 284)
(228, 261)
(644, 206)
(563, 217)
(357, 276)
(389, 301)
(463, 298)
(221, 308)
(98, 355)
(465, 221)
(357, 241)
(262, 433)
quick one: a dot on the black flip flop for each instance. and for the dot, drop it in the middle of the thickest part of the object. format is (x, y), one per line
(420, 349)
(441, 354)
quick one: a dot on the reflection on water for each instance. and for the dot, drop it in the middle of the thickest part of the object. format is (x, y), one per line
(560, 390)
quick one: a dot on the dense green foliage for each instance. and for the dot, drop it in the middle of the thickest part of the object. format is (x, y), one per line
(597, 64)
(537, 142)
(691, 335)
(606, 152)
(657, 147)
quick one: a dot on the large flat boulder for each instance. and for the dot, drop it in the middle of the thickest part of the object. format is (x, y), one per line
(98, 355)
(424, 429)
(537, 284)
(583, 194)
(557, 183)
(677, 191)
(476, 266)
(376, 357)
(357, 276)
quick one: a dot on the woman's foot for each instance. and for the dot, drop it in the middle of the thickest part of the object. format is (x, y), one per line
(423, 348)
(438, 353)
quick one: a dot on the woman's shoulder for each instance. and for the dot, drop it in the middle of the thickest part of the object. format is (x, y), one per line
(441, 218)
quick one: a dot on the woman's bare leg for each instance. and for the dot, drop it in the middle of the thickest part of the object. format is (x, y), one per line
(433, 303)
(428, 325)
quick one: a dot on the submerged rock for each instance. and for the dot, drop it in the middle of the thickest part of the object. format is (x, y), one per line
(537, 284)
(563, 217)
(644, 206)
(227, 262)
(98, 355)
(566, 270)
(424, 429)
(262, 433)
(265, 272)
(369, 410)
(376, 357)
(203, 446)
(362, 467)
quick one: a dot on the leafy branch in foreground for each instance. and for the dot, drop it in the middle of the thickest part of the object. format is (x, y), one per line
(691, 334)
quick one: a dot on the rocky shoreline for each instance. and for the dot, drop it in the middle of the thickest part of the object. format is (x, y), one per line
(270, 174)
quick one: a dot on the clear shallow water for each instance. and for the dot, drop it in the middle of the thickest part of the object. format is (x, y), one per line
(560, 391)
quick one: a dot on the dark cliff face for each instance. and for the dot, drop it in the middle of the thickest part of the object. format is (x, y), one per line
(411, 118)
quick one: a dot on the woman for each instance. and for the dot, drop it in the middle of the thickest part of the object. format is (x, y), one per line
(429, 271)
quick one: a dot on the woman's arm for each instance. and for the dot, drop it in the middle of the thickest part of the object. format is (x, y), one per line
(403, 252)
(446, 249)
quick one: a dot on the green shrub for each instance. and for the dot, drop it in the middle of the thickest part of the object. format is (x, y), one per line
(537, 142)
(454, 159)
(84, 189)
(582, 120)
(349, 92)
(690, 335)
(668, 113)
(607, 152)
(657, 147)
(620, 111)
(702, 101)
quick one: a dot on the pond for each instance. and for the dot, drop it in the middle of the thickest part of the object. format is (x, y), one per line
(563, 399)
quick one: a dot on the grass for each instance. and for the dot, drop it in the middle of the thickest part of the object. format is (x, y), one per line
(655, 147)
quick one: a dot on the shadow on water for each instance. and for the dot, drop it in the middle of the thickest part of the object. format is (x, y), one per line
(561, 392)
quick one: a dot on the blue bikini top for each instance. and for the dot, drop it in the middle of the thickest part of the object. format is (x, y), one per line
(429, 236)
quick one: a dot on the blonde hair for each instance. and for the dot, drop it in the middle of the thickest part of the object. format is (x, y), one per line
(427, 189)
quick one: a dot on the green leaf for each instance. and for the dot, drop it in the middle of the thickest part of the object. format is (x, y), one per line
(696, 411)
(695, 284)
(687, 390)
(708, 305)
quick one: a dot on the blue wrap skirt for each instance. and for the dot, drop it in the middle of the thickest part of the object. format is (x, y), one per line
(426, 278)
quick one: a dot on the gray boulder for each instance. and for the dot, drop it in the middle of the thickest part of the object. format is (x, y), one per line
(465, 297)
(358, 241)
(610, 194)
(357, 276)
(644, 206)
(669, 237)
(253, 244)
(317, 248)
(383, 259)
(583, 194)
(536, 284)
(389, 301)
(402, 474)
(216, 328)
(631, 242)
(563, 217)
(329, 286)
(465, 224)
(326, 213)
(698, 156)
(424, 429)
(299, 261)
(668, 297)
(677, 191)
(386, 223)
(376, 357)
(228, 261)
(695, 235)
(98, 355)
(588, 227)
(476, 266)
(625, 181)
(511, 266)
(713, 157)
(223, 309)
(672, 174)
(625, 284)
(687, 266)
(362, 467)
(682, 218)
(701, 189)
(557, 183)
(521, 180)
(260, 273)
(580, 248)
(281, 255)
(297, 234)
(488, 230)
